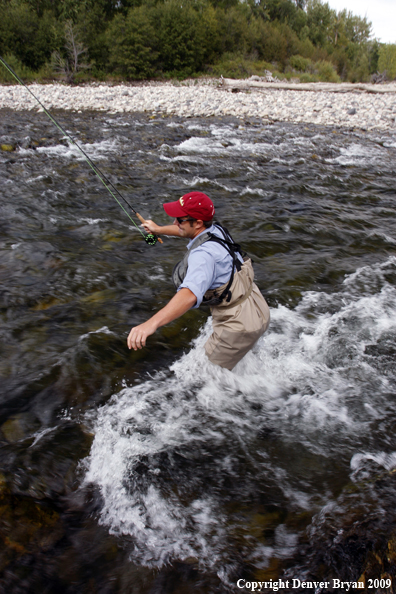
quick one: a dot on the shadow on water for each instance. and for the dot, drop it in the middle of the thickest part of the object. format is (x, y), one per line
(154, 472)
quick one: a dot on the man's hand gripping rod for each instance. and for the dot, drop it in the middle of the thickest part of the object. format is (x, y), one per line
(150, 238)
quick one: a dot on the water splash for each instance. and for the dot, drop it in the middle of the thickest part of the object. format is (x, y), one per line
(307, 380)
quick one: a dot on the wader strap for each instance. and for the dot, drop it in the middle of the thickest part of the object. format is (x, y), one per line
(238, 301)
(180, 269)
(221, 294)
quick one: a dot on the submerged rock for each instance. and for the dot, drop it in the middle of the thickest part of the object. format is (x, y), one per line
(18, 427)
(26, 528)
(356, 539)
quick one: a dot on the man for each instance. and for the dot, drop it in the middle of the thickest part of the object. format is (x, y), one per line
(213, 272)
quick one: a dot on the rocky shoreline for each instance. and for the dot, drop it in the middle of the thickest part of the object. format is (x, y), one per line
(368, 107)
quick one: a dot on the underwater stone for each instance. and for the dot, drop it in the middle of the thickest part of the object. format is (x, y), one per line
(18, 427)
(13, 430)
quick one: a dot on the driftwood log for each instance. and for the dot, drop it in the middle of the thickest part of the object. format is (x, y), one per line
(249, 84)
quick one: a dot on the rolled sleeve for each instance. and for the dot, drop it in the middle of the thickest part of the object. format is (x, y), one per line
(200, 274)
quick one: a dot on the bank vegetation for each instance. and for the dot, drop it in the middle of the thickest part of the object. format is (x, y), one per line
(114, 40)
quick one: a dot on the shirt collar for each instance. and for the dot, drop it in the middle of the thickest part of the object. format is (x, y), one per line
(210, 230)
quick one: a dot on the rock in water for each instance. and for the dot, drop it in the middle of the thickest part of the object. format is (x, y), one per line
(7, 147)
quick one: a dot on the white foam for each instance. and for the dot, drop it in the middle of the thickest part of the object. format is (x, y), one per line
(103, 330)
(383, 236)
(308, 378)
(224, 144)
(199, 181)
(366, 464)
(96, 150)
(34, 179)
(159, 274)
(254, 191)
(92, 221)
(37, 436)
(357, 154)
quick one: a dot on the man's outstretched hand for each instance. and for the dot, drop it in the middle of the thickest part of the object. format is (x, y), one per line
(177, 306)
(139, 334)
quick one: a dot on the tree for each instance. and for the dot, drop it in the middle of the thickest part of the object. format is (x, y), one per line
(183, 38)
(30, 38)
(133, 43)
(70, 63)
(357, 29)
(387, 60)
(319, 18)
(278, 10)
(336, 30)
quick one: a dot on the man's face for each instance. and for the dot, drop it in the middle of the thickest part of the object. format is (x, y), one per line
(188, 227)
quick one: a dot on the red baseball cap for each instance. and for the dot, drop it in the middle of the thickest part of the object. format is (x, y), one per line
(196, 205)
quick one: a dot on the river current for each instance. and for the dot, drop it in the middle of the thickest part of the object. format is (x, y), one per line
(156, 472)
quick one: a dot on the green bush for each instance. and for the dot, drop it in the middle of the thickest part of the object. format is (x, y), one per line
(271, 43)
(29, 38)
(184, 41)
(281, 75)
(373, 56)
(360, 71)
(326, 72)
(133, 44)
(234, 32)
(299, 63)
(25, 73)
(387, 60)
(308, 78)
(237, 66)
(305, 48)
(93, 27)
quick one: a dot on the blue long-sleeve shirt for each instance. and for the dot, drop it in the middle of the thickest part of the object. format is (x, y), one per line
(209, 266)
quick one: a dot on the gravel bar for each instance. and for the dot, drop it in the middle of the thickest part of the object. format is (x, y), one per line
(358, 108)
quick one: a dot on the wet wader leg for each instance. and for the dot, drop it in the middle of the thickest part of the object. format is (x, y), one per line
(239, 324)
(227, 348)
(233, 336)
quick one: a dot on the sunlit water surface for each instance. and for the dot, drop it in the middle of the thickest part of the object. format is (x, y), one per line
(157, 471)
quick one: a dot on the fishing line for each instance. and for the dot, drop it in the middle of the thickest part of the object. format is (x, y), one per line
(150, 238)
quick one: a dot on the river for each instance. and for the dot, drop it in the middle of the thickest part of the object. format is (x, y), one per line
(156, 472)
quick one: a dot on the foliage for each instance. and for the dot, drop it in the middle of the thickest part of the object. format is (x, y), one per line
(319, 18)
(182, 37)
(299, 63)
(322, 70)
(238, 66)
(70, 63)
(20, 69)
(387, 60)
(93, 24)
(326, 72)
(133, 42)
(139, 39)
(30, 38)
(308, 78)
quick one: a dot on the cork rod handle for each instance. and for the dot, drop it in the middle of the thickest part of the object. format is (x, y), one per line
(141, 219)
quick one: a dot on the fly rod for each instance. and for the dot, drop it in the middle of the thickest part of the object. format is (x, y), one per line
(149, 238)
